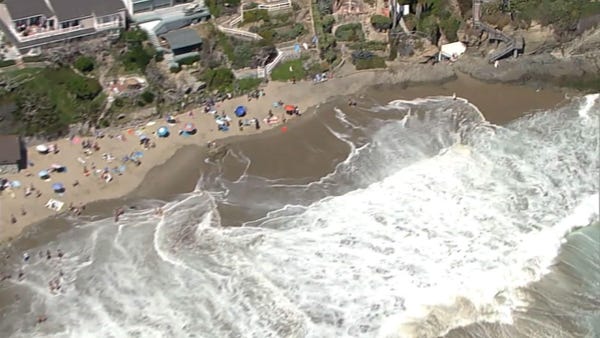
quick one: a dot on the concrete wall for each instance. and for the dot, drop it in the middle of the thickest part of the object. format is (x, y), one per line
(9, 168)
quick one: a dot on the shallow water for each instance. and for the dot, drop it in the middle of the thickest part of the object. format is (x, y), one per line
(433, 222)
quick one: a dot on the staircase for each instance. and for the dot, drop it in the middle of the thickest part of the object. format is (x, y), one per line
(513, 45)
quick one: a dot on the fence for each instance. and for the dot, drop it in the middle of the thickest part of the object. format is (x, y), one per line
(239, 32)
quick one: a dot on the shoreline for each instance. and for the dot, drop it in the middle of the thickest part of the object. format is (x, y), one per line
(303, 94)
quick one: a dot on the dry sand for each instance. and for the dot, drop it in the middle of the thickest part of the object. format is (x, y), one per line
(303, 94)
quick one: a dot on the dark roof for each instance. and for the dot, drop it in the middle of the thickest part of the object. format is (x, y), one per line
(75, 9)
(10, 149)
(182, 38)
(20, 9)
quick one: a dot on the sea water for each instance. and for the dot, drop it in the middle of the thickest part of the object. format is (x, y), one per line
(437, 223)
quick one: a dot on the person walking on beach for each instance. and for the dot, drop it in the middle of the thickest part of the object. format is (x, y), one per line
(13, 219)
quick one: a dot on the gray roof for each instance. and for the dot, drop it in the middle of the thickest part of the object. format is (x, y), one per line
(10, 149)
(75, 9)
(182, 38)
(20, 9)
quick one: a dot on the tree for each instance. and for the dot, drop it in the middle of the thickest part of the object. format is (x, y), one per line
(328, 22)
(381, 22)
(84, 64)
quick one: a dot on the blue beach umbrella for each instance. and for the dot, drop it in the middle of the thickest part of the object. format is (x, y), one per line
(163, 132)
(240, 111)
(58, 187)
(44, 174)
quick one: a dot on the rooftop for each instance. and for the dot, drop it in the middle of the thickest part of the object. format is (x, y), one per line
(74, 9)
(10, 149)
(20, 9)
(182, 38)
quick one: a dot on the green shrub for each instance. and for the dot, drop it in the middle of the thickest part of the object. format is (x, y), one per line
(84, 64)
(371, 63)
(381, 22)
(147, 96)
(175, 69)
(189, 60)
(247, 85)
(219, 78)
(450, 28)
(350, 32)
(369, 45)
(37, 58)
(137, 58)
(327, 22)
(134, 36)
(159, 56)
(6, 63)
(256, 15)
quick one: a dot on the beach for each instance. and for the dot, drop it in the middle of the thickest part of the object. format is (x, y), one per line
(350, 222)
(497, 101)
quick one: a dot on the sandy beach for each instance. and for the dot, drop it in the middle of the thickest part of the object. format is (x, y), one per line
(498, 103)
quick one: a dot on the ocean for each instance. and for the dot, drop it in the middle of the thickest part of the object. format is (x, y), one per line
(409, 218)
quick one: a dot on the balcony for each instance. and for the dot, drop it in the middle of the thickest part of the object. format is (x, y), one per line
(108, 25)
(34, 33)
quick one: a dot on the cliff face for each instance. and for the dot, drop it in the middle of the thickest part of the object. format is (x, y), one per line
(576, 61)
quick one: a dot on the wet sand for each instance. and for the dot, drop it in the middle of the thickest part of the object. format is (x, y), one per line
(180, 159)
(498, 102)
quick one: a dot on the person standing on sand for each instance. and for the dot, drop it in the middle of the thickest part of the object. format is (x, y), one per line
(13, 219)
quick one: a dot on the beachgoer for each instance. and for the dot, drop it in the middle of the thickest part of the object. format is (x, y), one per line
(453, 96)
(76, 183)
(26, 256)
(13, 219)
(23, 211)
(60, 255)
(38, 194)
(241, 124)
(48, 254)
(256, 123)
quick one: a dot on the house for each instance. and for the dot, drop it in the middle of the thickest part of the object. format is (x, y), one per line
(11, 154)
(34, 23)
(183, 41)
(139, 6)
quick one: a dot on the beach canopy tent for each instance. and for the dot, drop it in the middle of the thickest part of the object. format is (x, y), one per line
(162, 132)
(240, 111)
(189, 128)
(452, 50)
(58, 187)
(42, 149)
(44, 174)
(59, 168)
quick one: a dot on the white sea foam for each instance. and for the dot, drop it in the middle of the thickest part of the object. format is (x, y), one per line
(446, 218)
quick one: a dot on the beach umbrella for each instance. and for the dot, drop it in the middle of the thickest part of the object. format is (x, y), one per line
(240, 111)
(58, 187)
(143, 137)
(189, 127)
(44, 174)
(15, 184)
(171, 119)
(42, 148)
(59, 167)
(163, 132)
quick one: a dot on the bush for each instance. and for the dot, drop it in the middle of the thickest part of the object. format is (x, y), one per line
(147, 96)
(6, 63)
(256, 15)
(381, 22)
(84, 64)
(37, 58)
(350, 32)
(247, 85)
(219, 78)
(371, 63)
(84, 88)
(137, 58)
(134, 36)
(174, 69)
(327, 23)
(159, 56)
(189, 60)
(369, 45)
(450, 28)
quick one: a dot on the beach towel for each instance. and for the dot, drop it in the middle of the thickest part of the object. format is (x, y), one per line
(55, 205)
